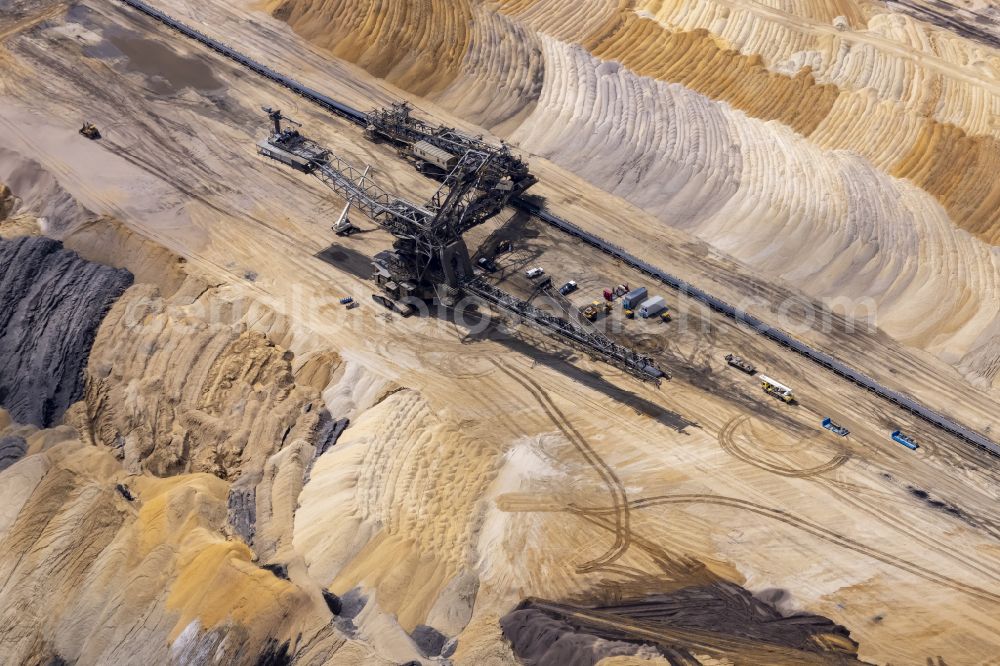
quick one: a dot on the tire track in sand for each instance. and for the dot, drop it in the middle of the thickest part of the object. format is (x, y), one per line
(811, 528)
(616, 489)
(727, 440)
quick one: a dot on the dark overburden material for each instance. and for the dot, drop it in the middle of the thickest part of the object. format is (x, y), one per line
(51, 303)
(541, 640)
(429, 640)
(11, 450)
(719, 619)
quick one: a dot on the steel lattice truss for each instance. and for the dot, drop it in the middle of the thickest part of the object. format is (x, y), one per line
(457, 205)
(642, 366)
(461, 202)
(398, 216)
(397, 125)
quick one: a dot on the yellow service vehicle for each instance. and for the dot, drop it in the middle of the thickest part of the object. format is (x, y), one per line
(777, 389)
(90, 131)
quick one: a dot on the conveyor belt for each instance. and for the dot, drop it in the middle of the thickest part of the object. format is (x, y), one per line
(768, 331)
(777, 335)
(613, 353)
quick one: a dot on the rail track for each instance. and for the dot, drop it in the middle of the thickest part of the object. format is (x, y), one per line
(906, 402)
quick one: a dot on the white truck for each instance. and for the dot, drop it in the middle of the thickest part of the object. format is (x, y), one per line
(777, 389)
(652, 307)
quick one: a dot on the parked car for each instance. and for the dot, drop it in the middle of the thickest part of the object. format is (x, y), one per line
(568, 288)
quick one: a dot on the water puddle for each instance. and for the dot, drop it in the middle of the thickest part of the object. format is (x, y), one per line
(167, 71)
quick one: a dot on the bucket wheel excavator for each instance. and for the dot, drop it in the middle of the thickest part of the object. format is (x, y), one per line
(429, 258)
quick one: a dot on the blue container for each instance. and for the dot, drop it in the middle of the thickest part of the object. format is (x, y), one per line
(905, 440)
(634, 298)
(833, 427)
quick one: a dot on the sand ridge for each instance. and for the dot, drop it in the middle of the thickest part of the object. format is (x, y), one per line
(865, 533)
(577, 82)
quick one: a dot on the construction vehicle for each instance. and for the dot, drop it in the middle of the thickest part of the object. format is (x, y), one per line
(905, 440)
(90, 131)
(666, 316)
(630, 314)
(568, 288)
(834, 428)
(777, 389)
(405, 309)
(591, 311)
(429, 260)
(740, 363)
(634, 298)
(487, 264)
(436, 150)
(652, 307)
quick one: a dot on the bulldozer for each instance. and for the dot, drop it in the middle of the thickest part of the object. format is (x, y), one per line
(90, 131)
(597, 307)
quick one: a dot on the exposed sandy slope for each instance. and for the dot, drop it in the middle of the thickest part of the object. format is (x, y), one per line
(129, 516)
(476, 472)
(155, 564)
(173, 387)
(839, 147)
